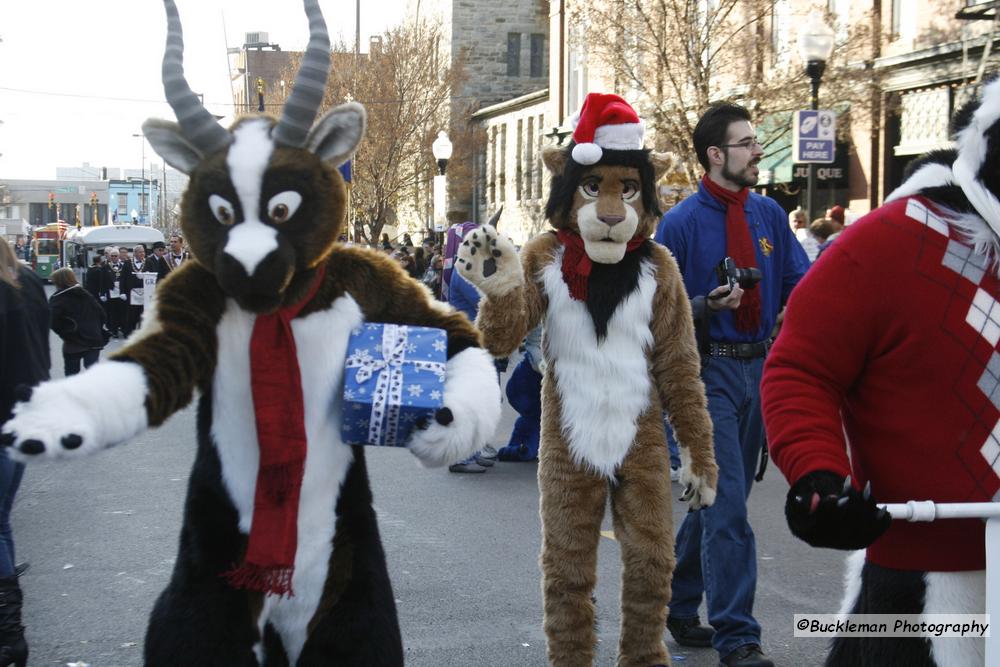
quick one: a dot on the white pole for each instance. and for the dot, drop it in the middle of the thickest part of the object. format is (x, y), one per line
(927, 510)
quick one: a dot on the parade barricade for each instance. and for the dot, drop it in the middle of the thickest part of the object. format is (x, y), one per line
(927, 510)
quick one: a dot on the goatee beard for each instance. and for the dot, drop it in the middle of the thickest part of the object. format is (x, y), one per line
(741, 179)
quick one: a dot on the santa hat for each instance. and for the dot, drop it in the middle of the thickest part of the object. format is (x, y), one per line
(605, 121)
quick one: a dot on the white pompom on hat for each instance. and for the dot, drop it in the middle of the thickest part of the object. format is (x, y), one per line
(605, 121)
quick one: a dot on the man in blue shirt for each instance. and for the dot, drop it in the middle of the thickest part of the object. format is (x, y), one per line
(716, 551)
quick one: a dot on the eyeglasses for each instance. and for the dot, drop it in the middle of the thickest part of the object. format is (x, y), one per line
(748, 144)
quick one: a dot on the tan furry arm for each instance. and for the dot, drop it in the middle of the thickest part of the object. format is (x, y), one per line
(505, 320)
(177, 344)
(386, 293)
(676, 363)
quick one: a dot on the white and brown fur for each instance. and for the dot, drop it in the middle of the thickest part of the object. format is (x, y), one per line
(250, 258)
(614, 364)
(968, 197)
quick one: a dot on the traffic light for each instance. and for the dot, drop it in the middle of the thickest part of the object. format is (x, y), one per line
(52, 200)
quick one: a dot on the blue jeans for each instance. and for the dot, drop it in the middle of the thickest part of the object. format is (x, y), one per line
(675, 452)
(10, 479)
(716, 551)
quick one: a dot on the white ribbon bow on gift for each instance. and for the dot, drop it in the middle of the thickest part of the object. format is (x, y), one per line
(387, 397)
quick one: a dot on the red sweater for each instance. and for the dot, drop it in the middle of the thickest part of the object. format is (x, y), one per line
(889, 340)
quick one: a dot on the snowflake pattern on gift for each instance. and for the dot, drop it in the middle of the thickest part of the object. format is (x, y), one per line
(435, 395)
(360, 356)
(440, 345)
(415, 390)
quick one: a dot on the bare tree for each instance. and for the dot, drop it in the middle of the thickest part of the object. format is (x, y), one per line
(405, 88)
(676, 57)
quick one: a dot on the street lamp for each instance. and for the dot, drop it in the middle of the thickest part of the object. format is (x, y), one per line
(815, 47)
(441, 148)
(142, 197)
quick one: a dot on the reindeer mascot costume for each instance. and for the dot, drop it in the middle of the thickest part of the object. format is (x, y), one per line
(892, 339)
(280, 560)
(619, 348)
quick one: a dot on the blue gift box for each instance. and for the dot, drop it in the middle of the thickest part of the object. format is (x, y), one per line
(394, 375)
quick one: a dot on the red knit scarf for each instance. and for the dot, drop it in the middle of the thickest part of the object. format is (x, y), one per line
(576, 265)
(281, 438)
(739, 246)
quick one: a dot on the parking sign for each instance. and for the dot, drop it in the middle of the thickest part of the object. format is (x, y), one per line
(814, 134)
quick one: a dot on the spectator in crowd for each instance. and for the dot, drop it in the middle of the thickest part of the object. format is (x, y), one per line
(97, 281)
(419, 261)
(822, 229)
(386, 244)
(24, 361)
(117, 293)
(78, 319)
(836, 215)
(716, 550)
(177, 255)
(157, 262)
(799, 224)
(407, 241)
(432, 276)
(134, 289)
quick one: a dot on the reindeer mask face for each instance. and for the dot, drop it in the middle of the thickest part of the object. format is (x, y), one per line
(265, 203)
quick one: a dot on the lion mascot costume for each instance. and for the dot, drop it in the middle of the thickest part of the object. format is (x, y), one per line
(620, 350)
(889, 350)
(280, 562)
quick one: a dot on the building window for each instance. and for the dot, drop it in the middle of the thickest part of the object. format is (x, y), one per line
(538, 151)
(513, 54)
(122, 203)
(537, 51)
(503, 163)
(493, 165)
(529, 158)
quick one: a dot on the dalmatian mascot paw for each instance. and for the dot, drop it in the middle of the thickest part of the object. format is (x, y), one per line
(699, 481)
(68, 418)
(470, 414)
(489, 261)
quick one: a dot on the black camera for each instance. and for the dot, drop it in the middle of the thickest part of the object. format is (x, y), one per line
(730, 274)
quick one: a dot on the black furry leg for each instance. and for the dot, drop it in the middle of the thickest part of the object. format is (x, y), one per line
(210, 629)
(885, 591)
(356, 625)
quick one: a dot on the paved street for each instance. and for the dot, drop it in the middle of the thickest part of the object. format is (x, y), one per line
(101, 536)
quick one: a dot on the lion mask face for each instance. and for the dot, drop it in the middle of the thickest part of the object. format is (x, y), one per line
(606, 204)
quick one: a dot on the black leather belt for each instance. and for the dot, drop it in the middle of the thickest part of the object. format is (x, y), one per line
(738, 350)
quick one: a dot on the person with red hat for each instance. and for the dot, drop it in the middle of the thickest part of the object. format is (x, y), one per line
(716, 551)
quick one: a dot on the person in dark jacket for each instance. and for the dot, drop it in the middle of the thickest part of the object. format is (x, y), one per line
(98, 280)
(24, 362)
(157, 262)
(78, 319)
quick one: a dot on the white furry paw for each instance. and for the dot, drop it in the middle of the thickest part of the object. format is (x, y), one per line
(699, 489)
(470, 415)
(73, 417)
(489, 261)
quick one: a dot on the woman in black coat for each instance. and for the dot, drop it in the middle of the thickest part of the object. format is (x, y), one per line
(78, 319)
(24, 362)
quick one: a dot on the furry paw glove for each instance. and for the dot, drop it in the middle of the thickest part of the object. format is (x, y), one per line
(824, 510)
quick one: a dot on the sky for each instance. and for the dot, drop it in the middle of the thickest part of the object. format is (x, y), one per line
(78, 78)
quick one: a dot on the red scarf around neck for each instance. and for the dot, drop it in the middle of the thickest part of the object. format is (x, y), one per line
(576, 265)
(739, 246)
(276, 385)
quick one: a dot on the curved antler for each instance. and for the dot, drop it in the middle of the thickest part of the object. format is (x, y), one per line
(198, 126)
(310, 83)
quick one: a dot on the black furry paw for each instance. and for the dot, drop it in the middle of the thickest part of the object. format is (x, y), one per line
(7, 439)
(443, 416)
(71, 441)
(824, 510)
(22, 393)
